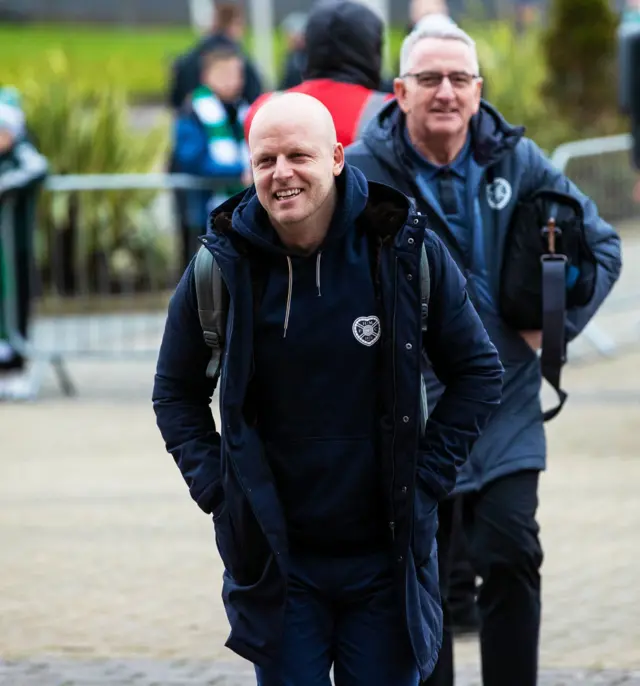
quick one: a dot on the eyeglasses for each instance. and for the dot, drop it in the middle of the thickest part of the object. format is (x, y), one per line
(432, 79)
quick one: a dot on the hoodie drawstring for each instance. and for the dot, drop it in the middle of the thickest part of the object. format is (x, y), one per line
(318, 273)
(289, 294)
(290, 289)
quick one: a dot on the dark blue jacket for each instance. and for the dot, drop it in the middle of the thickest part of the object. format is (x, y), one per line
(506, 167)
(227, 472)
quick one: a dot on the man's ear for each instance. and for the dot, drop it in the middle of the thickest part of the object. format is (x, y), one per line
(400, 91)
(478, 94)
(338, 159)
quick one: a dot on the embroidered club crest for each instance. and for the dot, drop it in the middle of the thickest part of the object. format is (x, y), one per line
(366, 330)
(498, 193)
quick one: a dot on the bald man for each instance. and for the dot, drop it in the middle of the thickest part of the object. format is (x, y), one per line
(324, 478)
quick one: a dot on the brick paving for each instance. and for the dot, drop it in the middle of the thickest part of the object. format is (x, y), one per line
(104, 557)
(136, 672)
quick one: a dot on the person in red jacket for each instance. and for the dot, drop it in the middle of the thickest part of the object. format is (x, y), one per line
(344, 63)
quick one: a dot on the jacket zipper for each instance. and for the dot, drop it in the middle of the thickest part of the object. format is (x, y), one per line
(392, 523)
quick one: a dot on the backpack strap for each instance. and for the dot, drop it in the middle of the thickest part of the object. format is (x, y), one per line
(213, 305)
(425, 287)
(425, 293)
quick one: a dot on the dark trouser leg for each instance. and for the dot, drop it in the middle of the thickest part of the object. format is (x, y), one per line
(448, 521)
(462, 588)
(372, 645)
(23, 227)
(306, 653)
(187, 245)
(186, 239)
(506, 553)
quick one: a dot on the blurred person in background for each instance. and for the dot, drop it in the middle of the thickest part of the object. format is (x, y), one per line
(419, 9)
(344, 41)
(209, 140)
(293, 27)
(228, 31)
(471, 173)
(22, 170)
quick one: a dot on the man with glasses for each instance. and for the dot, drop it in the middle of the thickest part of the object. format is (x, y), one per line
(466, 169)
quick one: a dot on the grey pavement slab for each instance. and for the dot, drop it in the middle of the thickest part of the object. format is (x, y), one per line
(197, 673)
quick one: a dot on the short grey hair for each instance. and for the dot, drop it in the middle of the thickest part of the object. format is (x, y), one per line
(436, 26)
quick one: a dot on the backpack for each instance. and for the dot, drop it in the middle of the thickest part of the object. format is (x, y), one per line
(213, 305)
(548, 267)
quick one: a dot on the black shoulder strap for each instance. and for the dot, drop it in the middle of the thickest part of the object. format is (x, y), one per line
(554, 310)
(553, 326)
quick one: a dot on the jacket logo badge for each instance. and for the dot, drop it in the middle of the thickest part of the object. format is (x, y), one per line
(366, 330)
(499, 193)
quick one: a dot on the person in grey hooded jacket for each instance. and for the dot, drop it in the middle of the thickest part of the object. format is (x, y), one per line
(466, 169)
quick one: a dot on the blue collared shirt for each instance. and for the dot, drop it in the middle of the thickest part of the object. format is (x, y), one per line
(458, 214)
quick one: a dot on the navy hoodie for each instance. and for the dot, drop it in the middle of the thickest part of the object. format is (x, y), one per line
(317, 336)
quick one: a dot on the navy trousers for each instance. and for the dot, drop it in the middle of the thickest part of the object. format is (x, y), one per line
(343, 613)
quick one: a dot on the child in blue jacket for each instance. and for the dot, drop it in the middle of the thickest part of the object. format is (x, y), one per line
(209, 140)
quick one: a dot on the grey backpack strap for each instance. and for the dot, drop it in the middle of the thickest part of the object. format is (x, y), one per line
(425, 293)
(425, 287)
(213, 305)
(374, 103)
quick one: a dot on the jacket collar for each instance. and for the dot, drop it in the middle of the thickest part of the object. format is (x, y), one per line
(384, 215)
(492, 136)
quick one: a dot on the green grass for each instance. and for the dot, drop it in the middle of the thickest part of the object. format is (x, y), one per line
(136, 57)
(139, 58)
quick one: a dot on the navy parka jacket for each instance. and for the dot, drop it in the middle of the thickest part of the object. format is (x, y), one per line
(227, 472)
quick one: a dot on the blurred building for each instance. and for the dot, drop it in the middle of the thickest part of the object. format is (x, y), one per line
(173, 12)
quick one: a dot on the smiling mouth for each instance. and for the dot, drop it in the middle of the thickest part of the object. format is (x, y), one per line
(287, 194)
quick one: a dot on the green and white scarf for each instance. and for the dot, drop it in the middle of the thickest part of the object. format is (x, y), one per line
(226, 145)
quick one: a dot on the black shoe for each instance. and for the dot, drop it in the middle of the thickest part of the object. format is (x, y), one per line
(14, 364)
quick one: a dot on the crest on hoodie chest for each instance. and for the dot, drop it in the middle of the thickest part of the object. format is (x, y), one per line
(367, 330)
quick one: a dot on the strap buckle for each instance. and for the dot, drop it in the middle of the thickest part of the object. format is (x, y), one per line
(551, 232)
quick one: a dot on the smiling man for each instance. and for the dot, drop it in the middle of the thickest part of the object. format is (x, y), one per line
(468, 170)
(324, 480)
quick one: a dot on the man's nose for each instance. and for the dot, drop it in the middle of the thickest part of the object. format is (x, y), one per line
(445, 90)
(283, 168)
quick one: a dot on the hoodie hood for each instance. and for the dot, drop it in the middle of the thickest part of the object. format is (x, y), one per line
(491, 135)
(344, 43)
(250, 219)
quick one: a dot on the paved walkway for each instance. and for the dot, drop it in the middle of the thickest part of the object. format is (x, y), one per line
(193, 673)
(105, 557)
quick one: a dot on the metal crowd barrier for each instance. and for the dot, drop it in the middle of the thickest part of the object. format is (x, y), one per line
(109, 314)
(84, 306)
(602, 168)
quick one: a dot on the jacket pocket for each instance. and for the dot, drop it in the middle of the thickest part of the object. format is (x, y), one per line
(224, 536)
(243, 559)
(425, 525)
